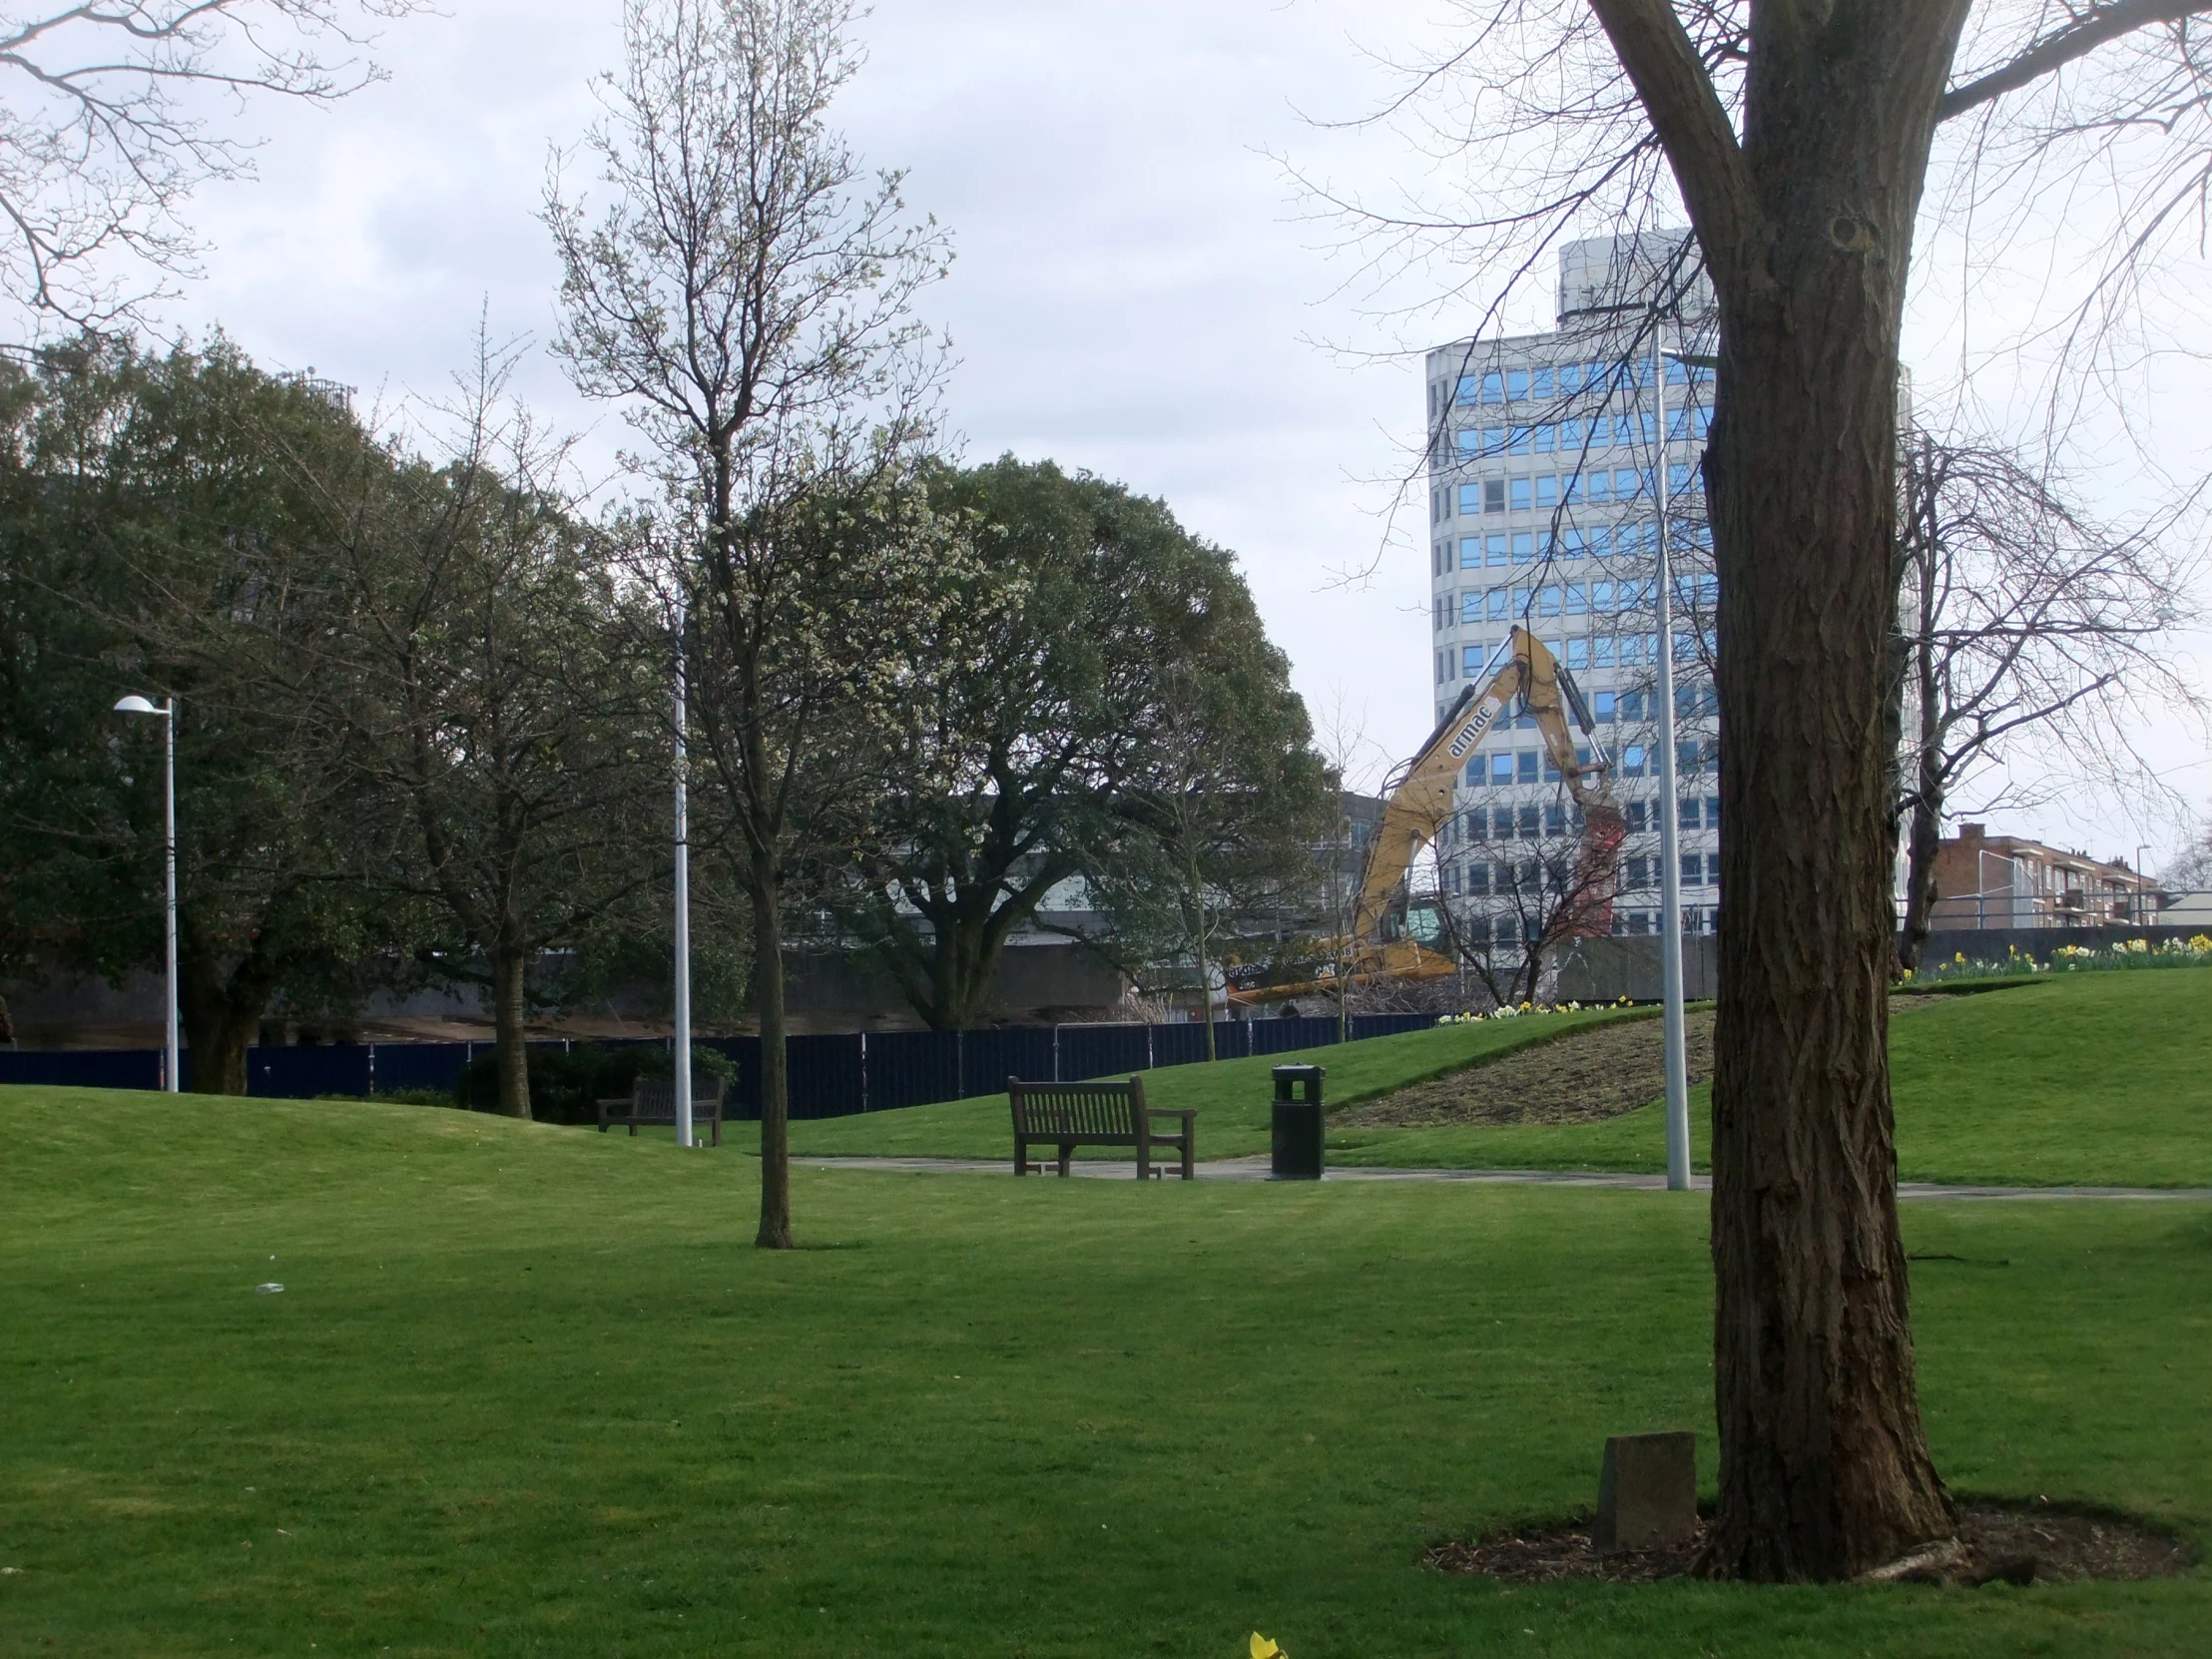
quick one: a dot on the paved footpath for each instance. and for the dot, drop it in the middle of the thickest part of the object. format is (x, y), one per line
(1255, 1169)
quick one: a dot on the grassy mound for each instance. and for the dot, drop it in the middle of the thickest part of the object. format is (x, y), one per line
(2097, 1079)
(528, 1391)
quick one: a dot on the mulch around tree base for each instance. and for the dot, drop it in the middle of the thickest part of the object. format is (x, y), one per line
(2001, 1543)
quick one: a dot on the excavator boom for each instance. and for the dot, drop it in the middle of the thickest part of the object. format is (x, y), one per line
(1420, 794)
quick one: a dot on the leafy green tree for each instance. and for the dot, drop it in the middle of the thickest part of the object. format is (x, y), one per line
(484, 683)
(143, 494)
(1110, 664)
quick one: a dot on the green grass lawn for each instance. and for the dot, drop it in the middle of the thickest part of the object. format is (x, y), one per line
(2101, 1079)
(528, 1391)
(2096, 1078)
(1232, 1096)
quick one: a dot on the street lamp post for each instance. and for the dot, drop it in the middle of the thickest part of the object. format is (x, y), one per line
(1670, 866)
(683, 904)
(171, 1079)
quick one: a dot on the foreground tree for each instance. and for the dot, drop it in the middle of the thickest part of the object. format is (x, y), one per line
(744, 294)
(1799, 138)
(2022, 619)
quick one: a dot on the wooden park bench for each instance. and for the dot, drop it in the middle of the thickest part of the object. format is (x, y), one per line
(1069, 1115)
(652, 1102)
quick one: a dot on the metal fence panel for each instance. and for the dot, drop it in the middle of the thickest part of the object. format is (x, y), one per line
(303, 1073)
(830, 1075)
(397, 1066)
(988, 1058)
(1103, 1050)
(824, 1074)
(1286, 1037)
(83, 1068)
(912, 1068)
(1364, 1026)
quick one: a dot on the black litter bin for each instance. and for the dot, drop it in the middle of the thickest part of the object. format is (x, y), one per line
(1298, 1109)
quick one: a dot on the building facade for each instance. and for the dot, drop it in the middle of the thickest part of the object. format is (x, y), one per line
(1549, 479)
(1984, 880)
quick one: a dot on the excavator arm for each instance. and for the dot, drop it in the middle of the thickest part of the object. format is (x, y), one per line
(1421, 793)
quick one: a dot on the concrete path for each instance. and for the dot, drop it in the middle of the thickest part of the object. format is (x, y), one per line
(1255, 1169)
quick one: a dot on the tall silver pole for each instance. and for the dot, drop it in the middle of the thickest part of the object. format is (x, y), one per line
(682, 907)
(172, 1074)
(1670, 866)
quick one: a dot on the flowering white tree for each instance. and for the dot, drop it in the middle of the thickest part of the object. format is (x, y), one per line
(742, 289)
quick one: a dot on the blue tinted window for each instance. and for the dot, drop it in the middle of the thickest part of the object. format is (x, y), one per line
(1471, 500)
(1602, 709)
(1682, 479)
(1526, 770)
(1470, 553)
(1493, 441)
(1493, 388)
(1602, 651)
(1578, 599)
(1469, 442)
(1502, 768)
(1496, 601)
(1625, 480)
(1678, 373)
(1547, 491)
(1517, 384)
(1519, 495)
(1470, 605)
(1519, 439)
(1471, 658)
(1547, 601)
(1464, 392)
(1539, 383)
(1524, 547)
(1494, 549)
(1602, 598)
(1545, 436)
(1632, 761)
(1570, 377)
(1578, 653)
(1598, 486)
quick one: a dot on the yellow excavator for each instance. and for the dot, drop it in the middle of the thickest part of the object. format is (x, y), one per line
(1419, 796)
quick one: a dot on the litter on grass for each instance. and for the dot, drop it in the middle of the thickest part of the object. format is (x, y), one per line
(270, 1289)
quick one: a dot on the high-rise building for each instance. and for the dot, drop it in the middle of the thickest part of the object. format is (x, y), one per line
(1546, 466)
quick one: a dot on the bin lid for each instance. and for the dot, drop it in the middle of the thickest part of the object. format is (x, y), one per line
(1300, 1073)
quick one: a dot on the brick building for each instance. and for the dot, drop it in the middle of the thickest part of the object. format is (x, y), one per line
(1985, 881)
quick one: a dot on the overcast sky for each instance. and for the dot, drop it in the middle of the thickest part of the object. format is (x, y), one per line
(1139, 289)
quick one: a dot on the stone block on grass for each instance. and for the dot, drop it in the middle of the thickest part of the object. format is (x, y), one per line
(1646, 1492)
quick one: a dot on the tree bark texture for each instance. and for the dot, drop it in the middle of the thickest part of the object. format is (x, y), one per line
(1825, 1467)
(509, 1016)
(1807, 227)
(768, 993)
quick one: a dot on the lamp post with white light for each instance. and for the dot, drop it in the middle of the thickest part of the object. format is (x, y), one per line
(171, 1081)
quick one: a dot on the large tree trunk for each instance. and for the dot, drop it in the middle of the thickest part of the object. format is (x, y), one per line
(509, 1016)
(1924, 842)
(220, 1011)
(768, 995)
(1824, 1470)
